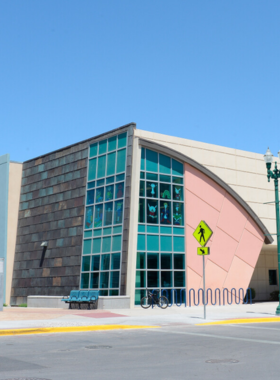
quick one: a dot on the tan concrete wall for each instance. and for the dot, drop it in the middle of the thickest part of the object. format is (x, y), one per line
(15, 174)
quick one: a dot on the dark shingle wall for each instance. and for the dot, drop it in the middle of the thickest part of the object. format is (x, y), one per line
(51, 209)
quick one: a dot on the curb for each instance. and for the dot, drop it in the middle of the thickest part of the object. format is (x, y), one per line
(241, 321)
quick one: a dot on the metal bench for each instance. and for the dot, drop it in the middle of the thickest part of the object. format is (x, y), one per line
(82, 297)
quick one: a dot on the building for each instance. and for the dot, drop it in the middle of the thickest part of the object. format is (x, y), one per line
(118, 211)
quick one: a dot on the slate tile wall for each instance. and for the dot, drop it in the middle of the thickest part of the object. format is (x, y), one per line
(51, 209)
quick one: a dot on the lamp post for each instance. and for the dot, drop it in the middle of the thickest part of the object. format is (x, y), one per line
(275, 174)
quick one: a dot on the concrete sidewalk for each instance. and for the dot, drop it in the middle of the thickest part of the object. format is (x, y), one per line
(39, 318)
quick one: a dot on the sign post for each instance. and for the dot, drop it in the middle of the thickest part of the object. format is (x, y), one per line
(202, 234)
(1, 283)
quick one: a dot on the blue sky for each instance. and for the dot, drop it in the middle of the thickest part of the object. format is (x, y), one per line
(202, 70)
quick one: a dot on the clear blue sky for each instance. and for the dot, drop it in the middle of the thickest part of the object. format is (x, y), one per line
(206, 70)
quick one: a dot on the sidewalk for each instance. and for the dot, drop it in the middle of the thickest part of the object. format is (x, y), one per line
(26, 318)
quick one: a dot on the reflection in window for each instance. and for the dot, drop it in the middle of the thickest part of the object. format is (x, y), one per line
(119, 190)
(95, 262)
(99, 195)
(118, 213)
(105, 261)
(94, 280)
(111, 163)
(115, 260)
(141, 212)
(165, 217)
(152, 189)
(104, 280)
(108, 213)
(90, 197)
(166, 279)
(101, 166)
(152, 211)
(109, 193)
(98, 216)
(89, 217)
(178, 216)
(84, 280)
(142, 189)
(114, 279)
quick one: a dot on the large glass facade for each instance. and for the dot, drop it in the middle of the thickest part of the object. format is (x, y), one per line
(103, 225)
(160, 260)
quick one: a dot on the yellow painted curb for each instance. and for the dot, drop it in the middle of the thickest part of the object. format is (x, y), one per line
(51, 330)
(241, 321)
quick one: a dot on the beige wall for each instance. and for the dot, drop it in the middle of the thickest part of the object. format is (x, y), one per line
(15, 172)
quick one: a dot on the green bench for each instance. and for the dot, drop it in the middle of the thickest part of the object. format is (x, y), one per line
(82, 297)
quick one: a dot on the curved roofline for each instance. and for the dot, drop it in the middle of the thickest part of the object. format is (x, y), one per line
(182, 157)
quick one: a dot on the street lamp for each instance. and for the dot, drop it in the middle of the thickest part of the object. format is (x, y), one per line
(275, 174)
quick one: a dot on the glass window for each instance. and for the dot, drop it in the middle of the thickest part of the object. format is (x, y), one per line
(142, 175)
(272, 274)
(119, 190)
(178, 243)
(178, 231)
(112, 143)
(110, 179)
(87, 247)
(90, 185)
(97, 232)
(114, 279)
(152, 211)
(165, 191)
(153, 260)
(90, 197)
(103, 292)
(152, 229)
(98, 216)
(153, 279)
(152, 176)
(151, 161)
(106, 245)
(96, 246)
(141, 260)
(166, 230)
(179, 279)
(107, 231)
(178, 214)
(102, 147)
(152, 242)
(101, 166)
(85, 263)
(165, 178)
(177, 180)
(104, 280)
(177, 168)
(100, 182)
(164, 164)
(105, 262)
(140, 279)
(121, 160)
(92, 169)
(95, 261)
(141, 244)
(87, 234)
(178, 193)
(93, 150)
(165, 243)
(122, 140)
(108, 214)
(139, 294)
(89, 217)
(94, 279)
(179, 261)
(119, 177)
(166, 279)
(141, 211)
(142, 159)
(165, 212)
(166, 261)
(109, 193)
(117, 243)
(84, 280)
(111, 163)
(114, 292)
(142, 189)
(152, 190)
(115, 261)
(117, 229)
(118, 213)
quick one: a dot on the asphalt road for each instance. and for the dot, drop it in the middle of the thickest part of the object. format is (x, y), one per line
(171, 352)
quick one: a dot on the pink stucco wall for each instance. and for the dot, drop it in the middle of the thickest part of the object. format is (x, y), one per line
(236, 241)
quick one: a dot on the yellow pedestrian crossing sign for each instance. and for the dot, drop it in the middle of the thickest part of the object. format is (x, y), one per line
(203, 251)
(202, 233)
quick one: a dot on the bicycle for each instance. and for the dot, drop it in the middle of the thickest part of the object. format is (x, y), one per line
(153, 298)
